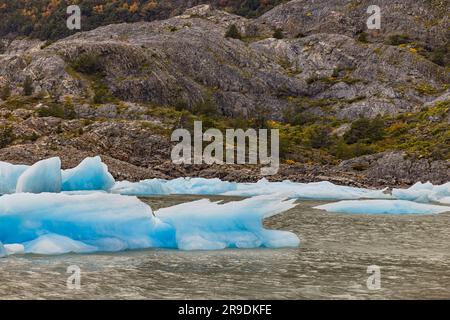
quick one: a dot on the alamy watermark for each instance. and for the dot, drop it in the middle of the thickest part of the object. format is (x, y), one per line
(74, 280)
(374, 21)
(73, 22)
(374, 280)
(235, 143)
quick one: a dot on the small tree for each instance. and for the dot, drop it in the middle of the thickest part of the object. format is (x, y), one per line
(5, 92)
(233, 32)
(278, 33)
(28, 86)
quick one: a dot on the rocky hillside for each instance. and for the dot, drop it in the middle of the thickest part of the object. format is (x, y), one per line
(306, 67)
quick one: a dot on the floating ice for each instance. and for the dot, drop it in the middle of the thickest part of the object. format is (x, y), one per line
(9, 249)
(382, 207)
(9, 174)
(206, 225)
(90, 174)
(317, 190)
(59, 223)
(200, 186)
(43, 176)
(424, 192)
(142, 188)
(56, 244)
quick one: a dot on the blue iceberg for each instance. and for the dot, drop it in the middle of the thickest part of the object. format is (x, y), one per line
(59, 223)
(90, 174)
(382, 207)
(9, 174)
(43, 176)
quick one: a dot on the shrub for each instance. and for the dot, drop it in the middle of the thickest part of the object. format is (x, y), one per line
(6, 136)
(88, 64)
(233, 32)
(5, 92)
(28, 86)
(319, 136)
(366, 130)
(278, 34)
(398, 39)
(362, 37)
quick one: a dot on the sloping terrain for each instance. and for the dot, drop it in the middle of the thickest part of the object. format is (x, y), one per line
(120, 89)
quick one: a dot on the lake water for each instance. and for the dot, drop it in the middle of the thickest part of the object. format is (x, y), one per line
(413, 253)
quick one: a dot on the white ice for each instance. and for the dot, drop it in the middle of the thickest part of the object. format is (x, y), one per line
(59, 223)
(313, 191)
(200, 186)
(43, 176)
(142, 188)
(424, 192)
(204, 224)
(382, 207)
(9, 174)
(90, 174)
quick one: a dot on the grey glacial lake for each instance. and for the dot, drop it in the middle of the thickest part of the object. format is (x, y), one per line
(412, 251)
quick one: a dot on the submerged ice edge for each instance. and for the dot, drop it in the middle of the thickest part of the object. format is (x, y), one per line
(60, 223)
(379, 207)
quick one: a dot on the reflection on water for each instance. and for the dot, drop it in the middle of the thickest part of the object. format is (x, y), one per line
(413, 253)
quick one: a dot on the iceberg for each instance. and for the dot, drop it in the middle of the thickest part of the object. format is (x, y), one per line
(309, 191)
(203, 225)
(9, 174)
(60, 223)
(424, 192)
(200, 186)
(43, 176)
(142, 188)
(90, 174)
(382, 207)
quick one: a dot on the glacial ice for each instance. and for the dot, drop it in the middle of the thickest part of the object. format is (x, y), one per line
(424, 192)
(309, 191)
(382, 207)
(43, 176)
(90, 174)
(200, 186)
(204, 224)
(142, 188)
(9, 174)
(59, 223)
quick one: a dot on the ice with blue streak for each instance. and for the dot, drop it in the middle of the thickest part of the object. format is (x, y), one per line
(43, 176)
(59, 223)
(90, 174)
(9, 174)
(383, 207)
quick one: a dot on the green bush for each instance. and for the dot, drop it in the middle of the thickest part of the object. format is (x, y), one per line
(88, 64)
(233, 32)
(319, 136)
(398, 39)
(278, 34)
(57, 111)
(365, 130)
(5, 92)
(6, 136)
(28, 86)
